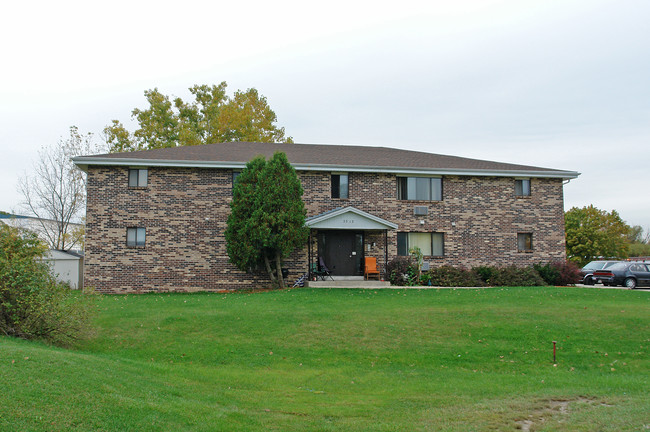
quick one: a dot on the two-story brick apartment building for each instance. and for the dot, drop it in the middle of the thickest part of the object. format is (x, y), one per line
(155, 218)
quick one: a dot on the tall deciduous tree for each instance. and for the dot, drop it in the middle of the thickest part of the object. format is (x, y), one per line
(636, 234)
(639, 250)
(592, 233)
(212, 117)
(639, 241)
(267, 221)
(55, 190)
(639, 235)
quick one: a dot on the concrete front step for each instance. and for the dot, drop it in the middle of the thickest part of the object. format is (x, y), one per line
(348, 284)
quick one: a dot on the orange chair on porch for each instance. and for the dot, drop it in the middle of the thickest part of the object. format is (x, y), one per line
(370, 268)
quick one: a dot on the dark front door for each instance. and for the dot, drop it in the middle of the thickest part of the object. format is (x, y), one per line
(342, 251)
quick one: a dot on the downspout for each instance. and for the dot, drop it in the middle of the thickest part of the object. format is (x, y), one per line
(385, 251)
(309, 275)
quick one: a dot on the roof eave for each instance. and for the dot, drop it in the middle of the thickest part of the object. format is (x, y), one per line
(84, 161)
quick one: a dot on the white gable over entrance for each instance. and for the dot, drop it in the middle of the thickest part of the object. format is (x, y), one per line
(348, 218)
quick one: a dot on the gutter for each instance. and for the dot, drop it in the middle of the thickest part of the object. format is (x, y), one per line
(83, 162)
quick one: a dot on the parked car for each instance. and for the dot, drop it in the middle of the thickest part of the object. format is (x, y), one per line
(588, 270)
(628, 274)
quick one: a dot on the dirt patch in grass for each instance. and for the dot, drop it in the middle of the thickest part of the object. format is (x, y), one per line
(553, 408)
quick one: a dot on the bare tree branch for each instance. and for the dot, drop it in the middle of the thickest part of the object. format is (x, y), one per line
(55, 191)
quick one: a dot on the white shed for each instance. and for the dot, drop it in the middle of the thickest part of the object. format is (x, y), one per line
(66, 266)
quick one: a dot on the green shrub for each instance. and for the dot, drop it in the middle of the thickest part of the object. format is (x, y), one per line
(402, 272)
(425, 279)
(449, 276)
(32, 304)
(548, 272)
(516, 276)
(486, 273)
(568, 271)
(559, 273)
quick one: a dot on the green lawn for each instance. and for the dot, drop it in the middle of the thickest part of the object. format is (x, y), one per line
(344, 360)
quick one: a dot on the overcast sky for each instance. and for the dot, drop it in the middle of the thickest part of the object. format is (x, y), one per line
(559, 84)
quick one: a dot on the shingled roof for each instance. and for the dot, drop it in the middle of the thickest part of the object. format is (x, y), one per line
(313, 157)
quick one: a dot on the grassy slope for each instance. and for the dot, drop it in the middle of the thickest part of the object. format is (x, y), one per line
(342, 360)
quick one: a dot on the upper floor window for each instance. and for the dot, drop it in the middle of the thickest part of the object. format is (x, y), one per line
(136, 237)
(235, 175)
(524, 242)
(522, 187)
(340, 186)
(419, 188)
(138, 177)
(430, 243)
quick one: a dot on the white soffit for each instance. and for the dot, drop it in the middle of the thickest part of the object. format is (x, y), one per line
(348, 218)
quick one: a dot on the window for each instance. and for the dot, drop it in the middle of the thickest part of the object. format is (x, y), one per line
(524, 242)
(419, 188)
(340, 186)
(431, 244)
(235, 176)
(135, 237)
(522, 187)
(638, 268)
(137, 177)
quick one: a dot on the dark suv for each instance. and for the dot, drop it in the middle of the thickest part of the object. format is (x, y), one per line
(587, 271)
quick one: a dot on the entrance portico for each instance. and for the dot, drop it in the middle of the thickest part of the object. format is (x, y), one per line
(344, 236)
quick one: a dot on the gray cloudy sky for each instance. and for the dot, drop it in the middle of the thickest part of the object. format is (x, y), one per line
(559, 84)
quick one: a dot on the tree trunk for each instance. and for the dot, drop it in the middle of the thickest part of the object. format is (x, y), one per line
(269, 270)
(278, 268)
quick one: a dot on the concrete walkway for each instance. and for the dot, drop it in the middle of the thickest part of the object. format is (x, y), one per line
(349, 284)
(362, 284)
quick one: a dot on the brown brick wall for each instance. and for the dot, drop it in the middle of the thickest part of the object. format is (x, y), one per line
(184, 211)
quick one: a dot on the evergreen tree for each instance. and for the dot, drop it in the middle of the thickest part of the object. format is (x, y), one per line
(279, 215)
(267, 221)
(242, 247)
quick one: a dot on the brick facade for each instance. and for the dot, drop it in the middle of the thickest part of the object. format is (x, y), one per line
(184, 212)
